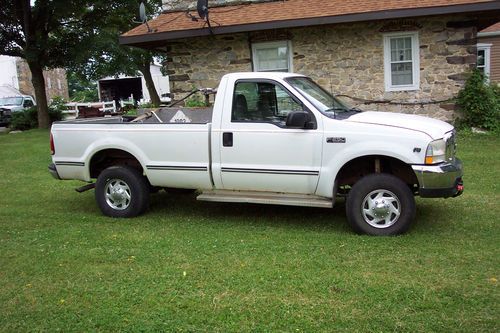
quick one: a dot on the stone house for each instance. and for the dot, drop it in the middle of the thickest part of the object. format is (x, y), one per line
(16, 74)
(406, 56)
(488, 52)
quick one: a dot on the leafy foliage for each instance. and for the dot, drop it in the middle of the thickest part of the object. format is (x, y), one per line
(480, 103)
(107, 57)
(28, 119)
(195, 101)
(48, 34)
(59, 33)
(81, 89)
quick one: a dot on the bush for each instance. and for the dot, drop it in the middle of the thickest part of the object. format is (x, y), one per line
(195, 102)
(480, 103)
(24, 120)
(28, 119)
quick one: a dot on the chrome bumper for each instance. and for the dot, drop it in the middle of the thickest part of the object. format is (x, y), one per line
(441, 180)
(53, 171)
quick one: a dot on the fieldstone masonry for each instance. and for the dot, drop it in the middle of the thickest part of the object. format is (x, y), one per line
(346, 59)
(56, 83)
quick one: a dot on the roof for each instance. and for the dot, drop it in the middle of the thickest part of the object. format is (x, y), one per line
(493, 30)
(293, 13)
(8, 91)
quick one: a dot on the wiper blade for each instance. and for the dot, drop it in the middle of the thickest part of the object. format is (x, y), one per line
(335, 109)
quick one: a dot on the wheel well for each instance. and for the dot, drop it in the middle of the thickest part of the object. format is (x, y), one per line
(359, 167)
(109, 157)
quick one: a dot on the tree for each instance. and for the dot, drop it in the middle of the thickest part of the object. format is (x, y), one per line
(81, 89)
(46, 33)
(108, 58)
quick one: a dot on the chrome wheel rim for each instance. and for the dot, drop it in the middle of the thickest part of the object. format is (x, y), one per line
(117, 194)
(381, 209)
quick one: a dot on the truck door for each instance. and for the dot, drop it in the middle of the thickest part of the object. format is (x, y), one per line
(258, 152)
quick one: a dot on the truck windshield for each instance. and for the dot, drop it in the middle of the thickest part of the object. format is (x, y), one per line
(319, 97)
(11, 101)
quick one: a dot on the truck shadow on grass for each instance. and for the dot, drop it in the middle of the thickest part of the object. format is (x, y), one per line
(179, 208)
(186, 205)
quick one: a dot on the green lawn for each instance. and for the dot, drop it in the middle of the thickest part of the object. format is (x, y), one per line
(189, 266)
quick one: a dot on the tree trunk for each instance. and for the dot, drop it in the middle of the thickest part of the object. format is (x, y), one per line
(40, 96)
(146, 72)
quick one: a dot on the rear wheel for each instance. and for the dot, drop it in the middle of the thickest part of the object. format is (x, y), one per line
(122, 191)
(381, 205)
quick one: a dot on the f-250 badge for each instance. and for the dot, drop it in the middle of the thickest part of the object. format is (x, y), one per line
(335, 140)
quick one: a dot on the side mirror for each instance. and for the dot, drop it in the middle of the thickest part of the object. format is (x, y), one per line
(298, 119)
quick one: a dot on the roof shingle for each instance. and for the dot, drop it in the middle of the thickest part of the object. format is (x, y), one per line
(288, 10)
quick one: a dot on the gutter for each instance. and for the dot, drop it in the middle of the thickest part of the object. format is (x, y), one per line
(488, 34)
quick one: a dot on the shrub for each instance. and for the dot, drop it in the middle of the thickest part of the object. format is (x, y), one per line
(195, 102)
(24, 120)
(28, 119)
(480, 103)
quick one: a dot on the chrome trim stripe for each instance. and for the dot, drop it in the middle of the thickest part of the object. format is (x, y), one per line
(68, 163)
(176, 168)
(272, 171)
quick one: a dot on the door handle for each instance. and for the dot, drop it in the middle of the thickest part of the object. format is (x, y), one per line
(227, 139)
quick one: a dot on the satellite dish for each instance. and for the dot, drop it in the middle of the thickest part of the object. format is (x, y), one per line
(202, 8)
(142, 12)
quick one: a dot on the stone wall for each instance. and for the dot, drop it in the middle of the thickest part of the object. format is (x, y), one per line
(56, 83)
(346, 59)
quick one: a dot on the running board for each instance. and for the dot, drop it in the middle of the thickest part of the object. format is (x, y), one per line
(268, 198)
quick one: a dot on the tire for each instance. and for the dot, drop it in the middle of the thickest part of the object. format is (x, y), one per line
(132, 196)
(380, 205)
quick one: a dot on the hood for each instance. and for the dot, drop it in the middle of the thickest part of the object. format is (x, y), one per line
(11, 107)
(432, 127)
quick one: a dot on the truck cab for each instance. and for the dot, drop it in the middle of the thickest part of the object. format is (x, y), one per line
(9, 105)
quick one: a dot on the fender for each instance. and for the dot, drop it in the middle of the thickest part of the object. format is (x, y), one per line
(113, 143)
(333, 162)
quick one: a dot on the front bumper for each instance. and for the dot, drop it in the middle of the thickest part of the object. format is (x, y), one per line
(440, 181)
(53, 171)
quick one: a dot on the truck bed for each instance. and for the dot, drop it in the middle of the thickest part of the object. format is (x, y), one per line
(174, 153)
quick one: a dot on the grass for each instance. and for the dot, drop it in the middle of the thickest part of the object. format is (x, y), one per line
(189, 266)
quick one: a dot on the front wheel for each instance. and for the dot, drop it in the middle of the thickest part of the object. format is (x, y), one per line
(380, 205)
(122, 191)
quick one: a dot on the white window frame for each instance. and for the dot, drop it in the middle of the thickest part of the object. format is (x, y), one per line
(266, 45)
(487, 58)
(415, 61)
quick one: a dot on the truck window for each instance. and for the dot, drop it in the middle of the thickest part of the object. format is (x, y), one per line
(28, 103)
(262, 102)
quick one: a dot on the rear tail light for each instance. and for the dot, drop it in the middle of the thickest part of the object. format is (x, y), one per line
(52, 148)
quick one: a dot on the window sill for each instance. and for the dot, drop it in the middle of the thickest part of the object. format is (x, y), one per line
(402, 88)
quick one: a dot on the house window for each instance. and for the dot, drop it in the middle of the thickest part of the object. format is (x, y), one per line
(401, 61)
(59, 86)
(483, 59)
(272, 57)
(49, 83)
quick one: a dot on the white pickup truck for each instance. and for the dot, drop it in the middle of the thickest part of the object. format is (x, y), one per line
(272, 138)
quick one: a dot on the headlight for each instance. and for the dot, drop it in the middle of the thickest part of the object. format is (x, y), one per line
(436, 152)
